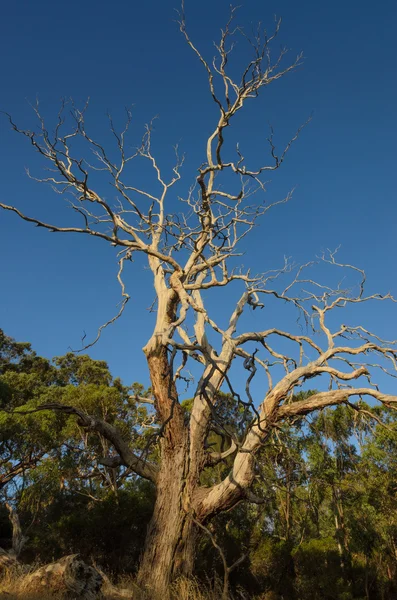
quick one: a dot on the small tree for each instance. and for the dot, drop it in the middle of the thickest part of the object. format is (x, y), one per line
(188, 254)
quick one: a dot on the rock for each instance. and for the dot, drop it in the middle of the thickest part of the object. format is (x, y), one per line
(67, 576)
(7, 559)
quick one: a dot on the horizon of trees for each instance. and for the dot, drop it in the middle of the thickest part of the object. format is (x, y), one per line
(328, 528)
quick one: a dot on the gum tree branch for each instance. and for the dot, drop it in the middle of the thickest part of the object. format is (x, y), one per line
(126, 456)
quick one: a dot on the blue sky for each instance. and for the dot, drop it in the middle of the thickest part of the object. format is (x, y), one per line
(55, 287)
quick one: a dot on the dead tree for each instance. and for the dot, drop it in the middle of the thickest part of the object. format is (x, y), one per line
(9, 558)
(190, 253)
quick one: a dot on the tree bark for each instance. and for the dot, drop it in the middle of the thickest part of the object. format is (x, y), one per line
(10, 558)
(170, 541)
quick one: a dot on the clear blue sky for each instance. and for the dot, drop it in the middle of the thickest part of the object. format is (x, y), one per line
(54, 287)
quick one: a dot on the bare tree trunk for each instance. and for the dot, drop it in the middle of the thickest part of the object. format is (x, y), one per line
(170, 541)
(10, 558)
(18, 539)
(169, 545)
(341, 534)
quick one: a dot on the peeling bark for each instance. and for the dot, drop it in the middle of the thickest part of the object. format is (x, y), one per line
(169, 545)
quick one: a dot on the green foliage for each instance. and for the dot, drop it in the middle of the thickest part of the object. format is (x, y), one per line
(111, 530)
(82, 370)
(318, 571)
(273, 567)
(327, 528)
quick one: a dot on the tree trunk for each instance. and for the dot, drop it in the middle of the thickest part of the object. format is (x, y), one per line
(169, 545)
(169, 549)
(10, 558)
(170, 541)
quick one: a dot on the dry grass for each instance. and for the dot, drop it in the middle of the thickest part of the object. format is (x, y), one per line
(12, 588)
(190, 589)
(183, 589)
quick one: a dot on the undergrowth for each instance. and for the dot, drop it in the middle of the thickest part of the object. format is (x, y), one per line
(12, 587)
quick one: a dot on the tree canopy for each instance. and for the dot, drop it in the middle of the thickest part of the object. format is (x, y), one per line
(329, 486)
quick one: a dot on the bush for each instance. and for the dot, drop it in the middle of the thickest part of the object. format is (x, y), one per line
(318, 571)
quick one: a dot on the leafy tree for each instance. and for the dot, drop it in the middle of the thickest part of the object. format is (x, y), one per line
(326, 487)
(372, 518)
(53, 465)
(23, 376)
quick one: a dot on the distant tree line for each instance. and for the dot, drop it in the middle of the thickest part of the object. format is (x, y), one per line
(324, 525)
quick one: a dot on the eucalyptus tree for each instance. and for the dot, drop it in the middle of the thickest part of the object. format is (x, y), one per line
(53, 443)
(22, 374)
(191, 255)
